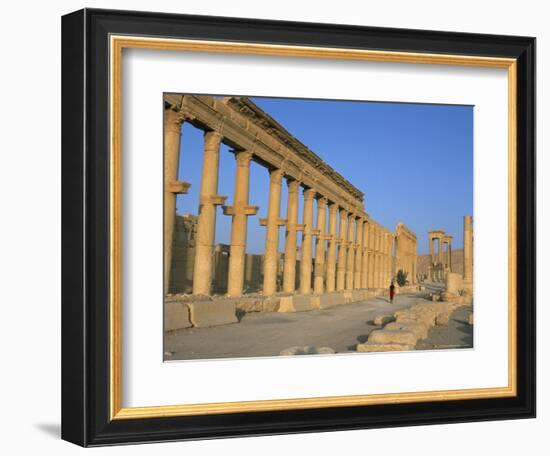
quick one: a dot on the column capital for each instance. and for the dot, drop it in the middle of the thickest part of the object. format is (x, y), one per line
(293, 185)
(178, 187)
(322, 202)
(275, 175)
(309, 193)
(240, 209)
(212, 139)
(174, 118)
(243, 157)
(216, 200)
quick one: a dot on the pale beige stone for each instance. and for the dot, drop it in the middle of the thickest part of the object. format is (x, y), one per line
(212, 313)
(383, 336)
(298, 303)
(342, 251)
(305, 263)
(319, 272)
(273, 221)
(332, 247)
(420, 330)
(453, 283)
(240, 211)
(383, 319)
(206, 226)
(176, 316)
(468, 256)
(292, 228)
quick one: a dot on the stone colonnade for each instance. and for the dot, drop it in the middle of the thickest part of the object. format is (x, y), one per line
(406, 251)
(354, 252)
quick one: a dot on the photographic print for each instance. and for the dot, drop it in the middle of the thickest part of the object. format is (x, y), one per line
(316, 227)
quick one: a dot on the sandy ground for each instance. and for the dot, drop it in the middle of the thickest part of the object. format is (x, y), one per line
(267, 334)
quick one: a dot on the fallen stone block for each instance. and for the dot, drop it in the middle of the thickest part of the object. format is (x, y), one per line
(369, 347)
(212, 313)
(307, 350)
(176, 316)
(328, 300)
(419, 330)
(384, 319)
(384, 336)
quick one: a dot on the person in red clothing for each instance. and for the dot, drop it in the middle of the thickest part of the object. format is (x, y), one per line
(392, 291)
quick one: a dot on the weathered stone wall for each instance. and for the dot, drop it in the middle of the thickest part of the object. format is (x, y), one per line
(456, 262)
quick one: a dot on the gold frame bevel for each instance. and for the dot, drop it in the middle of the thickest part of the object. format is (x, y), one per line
(116, 46)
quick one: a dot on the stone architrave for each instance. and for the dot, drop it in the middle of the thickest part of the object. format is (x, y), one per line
(272, 224)
(358, 254)
(319, 273)
(342, 250)
(206, 225)
(240, 211)
(331, 251)
(292, 228)
(172, 187)
(351, 253)
(307, 239)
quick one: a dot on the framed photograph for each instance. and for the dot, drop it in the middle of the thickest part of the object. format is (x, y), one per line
(278, 227)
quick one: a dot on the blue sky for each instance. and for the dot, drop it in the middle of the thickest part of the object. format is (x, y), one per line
(414, 163)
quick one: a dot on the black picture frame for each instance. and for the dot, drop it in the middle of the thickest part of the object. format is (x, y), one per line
(85, 228)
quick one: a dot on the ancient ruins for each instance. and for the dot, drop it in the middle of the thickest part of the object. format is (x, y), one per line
(345, 255)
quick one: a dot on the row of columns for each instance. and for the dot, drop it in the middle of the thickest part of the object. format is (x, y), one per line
(359, 255)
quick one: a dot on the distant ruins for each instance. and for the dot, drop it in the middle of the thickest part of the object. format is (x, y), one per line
(340, 262)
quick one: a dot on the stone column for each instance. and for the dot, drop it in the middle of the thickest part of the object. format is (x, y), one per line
(351, 253)
(440, 250)
(319, 273)
(331, 251)
(432, 256)
(450, 256)
(365, 258)
(468, 253)
(240, 211)
(172, 187)
(342, 250)
(272, 223)
(305, 264)
(358, 254)
(372, 235)
(206, 225)
(292, 228)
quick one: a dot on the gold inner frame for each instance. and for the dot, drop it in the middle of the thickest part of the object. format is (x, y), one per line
(117, 44)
